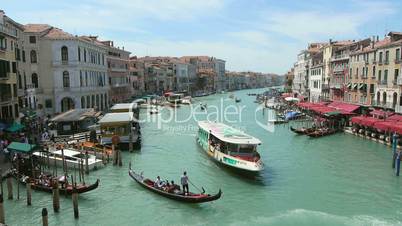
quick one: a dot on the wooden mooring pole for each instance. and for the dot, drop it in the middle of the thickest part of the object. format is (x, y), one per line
(56, 196)
(10, 187)
(75, 202)
(2, 217)
(29, 193)
(44, 217)
(86, 163)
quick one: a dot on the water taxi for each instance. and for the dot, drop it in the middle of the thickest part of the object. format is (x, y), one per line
(229, 146)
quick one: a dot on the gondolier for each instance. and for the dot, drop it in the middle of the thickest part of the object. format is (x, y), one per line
(184, 182)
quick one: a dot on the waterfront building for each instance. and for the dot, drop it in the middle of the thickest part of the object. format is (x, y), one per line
(136, 76)
(387, 92)
(118, 72)
(209, 65)
(315, 73)
(300, 85)
(71, 71)
(339, 69)
(9, 35)
(362, 80)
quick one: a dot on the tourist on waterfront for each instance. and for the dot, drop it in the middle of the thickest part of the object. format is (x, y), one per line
(184, 182)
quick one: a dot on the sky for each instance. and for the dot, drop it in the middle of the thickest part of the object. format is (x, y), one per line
(255, 35)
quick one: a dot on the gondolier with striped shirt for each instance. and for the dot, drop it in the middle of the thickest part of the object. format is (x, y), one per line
(184, 182)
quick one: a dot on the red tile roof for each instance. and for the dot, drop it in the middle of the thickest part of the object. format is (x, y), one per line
(36, 27)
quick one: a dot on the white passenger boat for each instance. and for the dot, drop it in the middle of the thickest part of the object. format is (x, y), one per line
(73, 158)
(229, 146)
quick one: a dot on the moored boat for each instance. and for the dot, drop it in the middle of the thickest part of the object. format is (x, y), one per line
(321, 132)
(46, 185)
(230, 147)
(302, 130)
(175, 193)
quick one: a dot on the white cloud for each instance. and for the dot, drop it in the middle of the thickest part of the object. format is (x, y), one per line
(309, 25)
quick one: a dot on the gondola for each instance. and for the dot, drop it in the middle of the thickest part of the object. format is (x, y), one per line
(321, 132)
(301, 131)
(178, 196)
(81, 188)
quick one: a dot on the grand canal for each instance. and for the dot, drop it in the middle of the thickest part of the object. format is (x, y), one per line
(335, 180)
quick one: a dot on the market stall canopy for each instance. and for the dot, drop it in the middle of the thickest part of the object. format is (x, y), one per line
(23, 148)
(15, 127)
(344, 107)
(384, 126)
(381, 113)
(369, 121)
(395, 117)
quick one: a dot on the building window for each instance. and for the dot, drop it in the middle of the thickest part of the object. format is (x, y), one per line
(379, 76)
(66, 79)
(32, 39)
(380, 58)
(85, 55)
(79, 54)
(64, 53)
(19, 81)
(23, 55)
(48, 103)
(396, 74)
(81, 79)
(398, 54)
(386, 56)
(33, 56)
(385, 76)
(35, 81)
(373, 71)
(14, 67)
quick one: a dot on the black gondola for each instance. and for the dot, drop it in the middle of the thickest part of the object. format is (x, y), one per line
(302, 130)
(64, 190)
(178, 196)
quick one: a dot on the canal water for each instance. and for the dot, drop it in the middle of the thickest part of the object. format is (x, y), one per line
(335, 180)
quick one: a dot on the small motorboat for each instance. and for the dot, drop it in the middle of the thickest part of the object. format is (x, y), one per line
(302, 130)
(176, 194)
(186, 100)
(231, 96)
(237, 100)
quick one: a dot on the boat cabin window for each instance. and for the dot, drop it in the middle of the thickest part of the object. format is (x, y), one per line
(247, 148)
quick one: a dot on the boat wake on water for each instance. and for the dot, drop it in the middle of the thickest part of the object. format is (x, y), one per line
(311, 217)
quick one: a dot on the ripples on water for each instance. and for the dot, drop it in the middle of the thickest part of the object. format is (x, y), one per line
(336, 180)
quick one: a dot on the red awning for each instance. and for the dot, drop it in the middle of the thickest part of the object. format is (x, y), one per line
(357, 119)
(344, 106)
(395, 118)
(369, 121)
(381, 113)
(384, 126)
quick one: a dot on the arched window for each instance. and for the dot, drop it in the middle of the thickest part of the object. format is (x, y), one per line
(66, 79)
(34, 80)
(88, 101)
(64, 53)
(384, 98)
(378, 98)
(33, 56)
(79, 54)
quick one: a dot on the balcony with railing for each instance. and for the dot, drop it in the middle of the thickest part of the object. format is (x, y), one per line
(8, 31)
(398, 60)
(5, 97)
(5, 76)
(340, 57)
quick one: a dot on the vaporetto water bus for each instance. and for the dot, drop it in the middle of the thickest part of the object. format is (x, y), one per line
(229, 146)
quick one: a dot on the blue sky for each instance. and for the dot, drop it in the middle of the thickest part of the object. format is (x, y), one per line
(258, 35)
